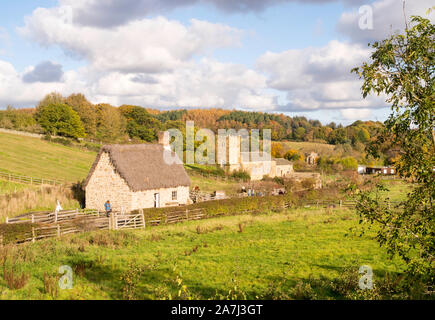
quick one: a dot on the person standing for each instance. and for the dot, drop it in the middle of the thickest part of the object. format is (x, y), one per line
(108, 208)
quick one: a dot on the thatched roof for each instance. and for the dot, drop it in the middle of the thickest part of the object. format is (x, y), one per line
(142, 167)
(282, 162)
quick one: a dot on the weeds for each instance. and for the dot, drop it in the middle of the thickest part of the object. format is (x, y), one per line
(13, 280)
(51, 285)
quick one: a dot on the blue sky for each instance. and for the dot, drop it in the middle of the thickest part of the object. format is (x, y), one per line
(285, 56)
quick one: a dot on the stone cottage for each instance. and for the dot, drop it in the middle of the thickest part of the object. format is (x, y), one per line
(134, 177)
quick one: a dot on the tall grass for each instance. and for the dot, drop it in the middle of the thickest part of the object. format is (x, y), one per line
(38, 199)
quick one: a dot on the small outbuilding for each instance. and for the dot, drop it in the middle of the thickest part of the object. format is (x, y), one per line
(284, 168)
(134, 177)
(312, 158)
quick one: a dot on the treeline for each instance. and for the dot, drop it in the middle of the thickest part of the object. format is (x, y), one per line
(76, 117)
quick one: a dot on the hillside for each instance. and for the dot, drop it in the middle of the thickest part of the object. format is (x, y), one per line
(38, 158)
(322, 149)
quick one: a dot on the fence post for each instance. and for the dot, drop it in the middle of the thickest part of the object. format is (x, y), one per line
(341, 203)
(58, 230)
(33, 218)
(7, 220)
(55, 216)
(143, 218)
(33, 234)
(187, 214)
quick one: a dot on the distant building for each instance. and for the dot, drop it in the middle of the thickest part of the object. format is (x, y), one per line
(376, 170)
(134, 177)
(312, 158)
(256, 167)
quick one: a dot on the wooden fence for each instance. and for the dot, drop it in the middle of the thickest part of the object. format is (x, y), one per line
(29, 180)
(52, 224)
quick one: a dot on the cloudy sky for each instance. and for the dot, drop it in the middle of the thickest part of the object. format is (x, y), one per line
(290, 56)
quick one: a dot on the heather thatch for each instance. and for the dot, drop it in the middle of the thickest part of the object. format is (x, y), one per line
(142, 166)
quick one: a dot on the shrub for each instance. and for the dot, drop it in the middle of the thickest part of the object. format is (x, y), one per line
(241, 175)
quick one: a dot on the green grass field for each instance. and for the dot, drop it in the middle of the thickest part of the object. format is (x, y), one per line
(281, 255)
(11, 187)
(37, 158)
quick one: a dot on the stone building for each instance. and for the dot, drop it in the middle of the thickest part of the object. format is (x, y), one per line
(134, 177)
(284, 168)
(312, 158)
(257, 167)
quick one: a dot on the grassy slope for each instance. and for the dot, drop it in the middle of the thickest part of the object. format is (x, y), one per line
(38, 158)
(11, 187)
(281, 249)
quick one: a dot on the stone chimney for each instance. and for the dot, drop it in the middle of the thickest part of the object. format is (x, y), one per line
(164, 139)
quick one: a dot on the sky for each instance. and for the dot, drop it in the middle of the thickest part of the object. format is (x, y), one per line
(286, 56)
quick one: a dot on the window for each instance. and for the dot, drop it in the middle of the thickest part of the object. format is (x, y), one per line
(174, 195)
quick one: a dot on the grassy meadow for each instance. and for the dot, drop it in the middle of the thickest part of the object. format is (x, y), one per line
(7, 187)
(42, 159)
(293, 254)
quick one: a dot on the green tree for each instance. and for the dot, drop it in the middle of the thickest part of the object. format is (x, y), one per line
(86, 111)
(60, 119)
(110, 124)
(140, 123)
(402, 67)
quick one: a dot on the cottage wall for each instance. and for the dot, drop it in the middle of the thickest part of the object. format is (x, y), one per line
(145, 199)
(284, 170)
(105, 184)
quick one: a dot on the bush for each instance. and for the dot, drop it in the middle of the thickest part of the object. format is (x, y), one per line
(241, 175)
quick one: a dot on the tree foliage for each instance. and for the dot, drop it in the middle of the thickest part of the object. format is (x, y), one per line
(60, 119)
(402, 68)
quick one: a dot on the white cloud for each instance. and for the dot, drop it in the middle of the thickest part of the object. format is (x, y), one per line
(15, 91)
(318, 78)
(388, 17)
(152, 62)
(118, 12)
(205, 84)
(148, 45)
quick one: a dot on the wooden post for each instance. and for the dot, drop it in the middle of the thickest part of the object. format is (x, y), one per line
(187, 214)
(143, 218)
(55, 216)
(33, 218)
(58, 230)
(341, 203)
(33, 234)
(7, 220)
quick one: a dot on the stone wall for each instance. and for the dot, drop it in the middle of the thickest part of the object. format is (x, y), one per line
(145, 199)
(105, 184)
(284, 170)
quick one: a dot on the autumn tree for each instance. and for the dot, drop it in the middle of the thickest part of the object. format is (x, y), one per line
(86, 111)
